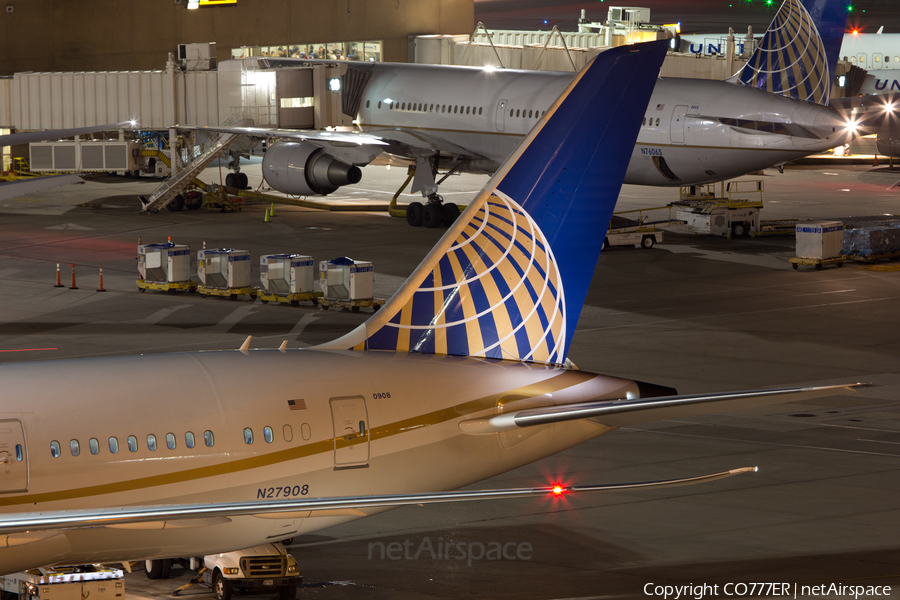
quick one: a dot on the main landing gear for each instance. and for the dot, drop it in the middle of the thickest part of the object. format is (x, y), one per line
(434, 212)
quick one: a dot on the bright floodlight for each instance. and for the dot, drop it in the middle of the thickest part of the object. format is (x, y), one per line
(334, 84)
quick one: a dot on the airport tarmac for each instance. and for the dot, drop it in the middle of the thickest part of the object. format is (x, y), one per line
(696, 313)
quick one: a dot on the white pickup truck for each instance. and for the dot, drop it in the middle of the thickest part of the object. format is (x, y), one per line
(262, 569)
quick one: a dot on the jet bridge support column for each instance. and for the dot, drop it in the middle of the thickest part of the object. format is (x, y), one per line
(171, 117)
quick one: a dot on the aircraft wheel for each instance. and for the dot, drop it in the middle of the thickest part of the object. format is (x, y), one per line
(414, 214)
(739, 230)
(221, 586)
(242, 181)
(796, 266)
(449, 213)
(431, 216)
(153, 568)
(647, 241)
(176, 204)
(230, 180)
(288, 592)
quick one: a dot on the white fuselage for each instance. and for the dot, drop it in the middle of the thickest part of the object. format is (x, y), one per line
(310, 448)
(483, 114)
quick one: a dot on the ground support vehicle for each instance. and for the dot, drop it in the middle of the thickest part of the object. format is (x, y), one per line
(292, 299)
(733, 213)
(639, 228)
(65, 583)
(232, 293)
(262, 569)
(818, 263)
(171, 287)
(353, 305)
(871, 258)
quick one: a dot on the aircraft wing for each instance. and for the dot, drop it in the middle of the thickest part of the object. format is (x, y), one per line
(354, 147)
(13, 139)
(617, 413)
(14, 189)
(351, 147)
(20, 528)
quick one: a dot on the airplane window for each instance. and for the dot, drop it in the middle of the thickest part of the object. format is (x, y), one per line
(248, 435)
(54, 449)
(208, 438)
(113, 445)
(443, 107)
(19, 454)
(517, 112)
(170, 441)
(151, 442)
(94, 445)
(511, 112)
(877, 58)
(455, 109)
(379, 105)
(189, 439)
(288, 433)
(468, 109)
(268, 435)
(852, 59)
(657, 121)
(529, 114)
(367, 103)
(132, 443)
(479, 110)
(643, 121)
(75, 447)
(403, 106)
(431, 108)
(305, 432)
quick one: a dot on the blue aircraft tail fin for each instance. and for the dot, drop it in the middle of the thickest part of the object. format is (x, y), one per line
(510, 276)
(798, 53)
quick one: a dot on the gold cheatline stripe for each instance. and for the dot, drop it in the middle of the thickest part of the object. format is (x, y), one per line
(554, 384)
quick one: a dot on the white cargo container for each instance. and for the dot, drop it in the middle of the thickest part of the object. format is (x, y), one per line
(287, 273)
(224, 268)
(820, 239)
(347, 279)
(164, 262)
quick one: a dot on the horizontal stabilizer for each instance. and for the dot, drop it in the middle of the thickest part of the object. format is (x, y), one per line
(621, 412)
(338, 506)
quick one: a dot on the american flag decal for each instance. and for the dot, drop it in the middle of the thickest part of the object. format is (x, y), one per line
(297, 404)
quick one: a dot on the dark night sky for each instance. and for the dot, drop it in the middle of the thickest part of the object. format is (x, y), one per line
(696, 16)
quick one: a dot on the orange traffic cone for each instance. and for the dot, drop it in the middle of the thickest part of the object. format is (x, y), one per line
(100, 289)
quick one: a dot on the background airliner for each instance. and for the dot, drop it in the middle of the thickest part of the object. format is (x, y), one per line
(463, 374)
(470, 119)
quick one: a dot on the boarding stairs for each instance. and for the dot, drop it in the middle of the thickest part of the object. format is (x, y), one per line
(176, 183)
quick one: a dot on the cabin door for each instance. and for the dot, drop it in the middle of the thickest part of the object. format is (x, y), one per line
(13, 458)
(676, 127)
(501, 114)
(351, 431)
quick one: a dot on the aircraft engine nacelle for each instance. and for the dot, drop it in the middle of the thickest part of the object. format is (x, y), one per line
(888, 143)
(303, 169)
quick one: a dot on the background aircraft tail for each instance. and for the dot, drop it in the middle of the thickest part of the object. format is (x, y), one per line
(798, 53)
(509, 278)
